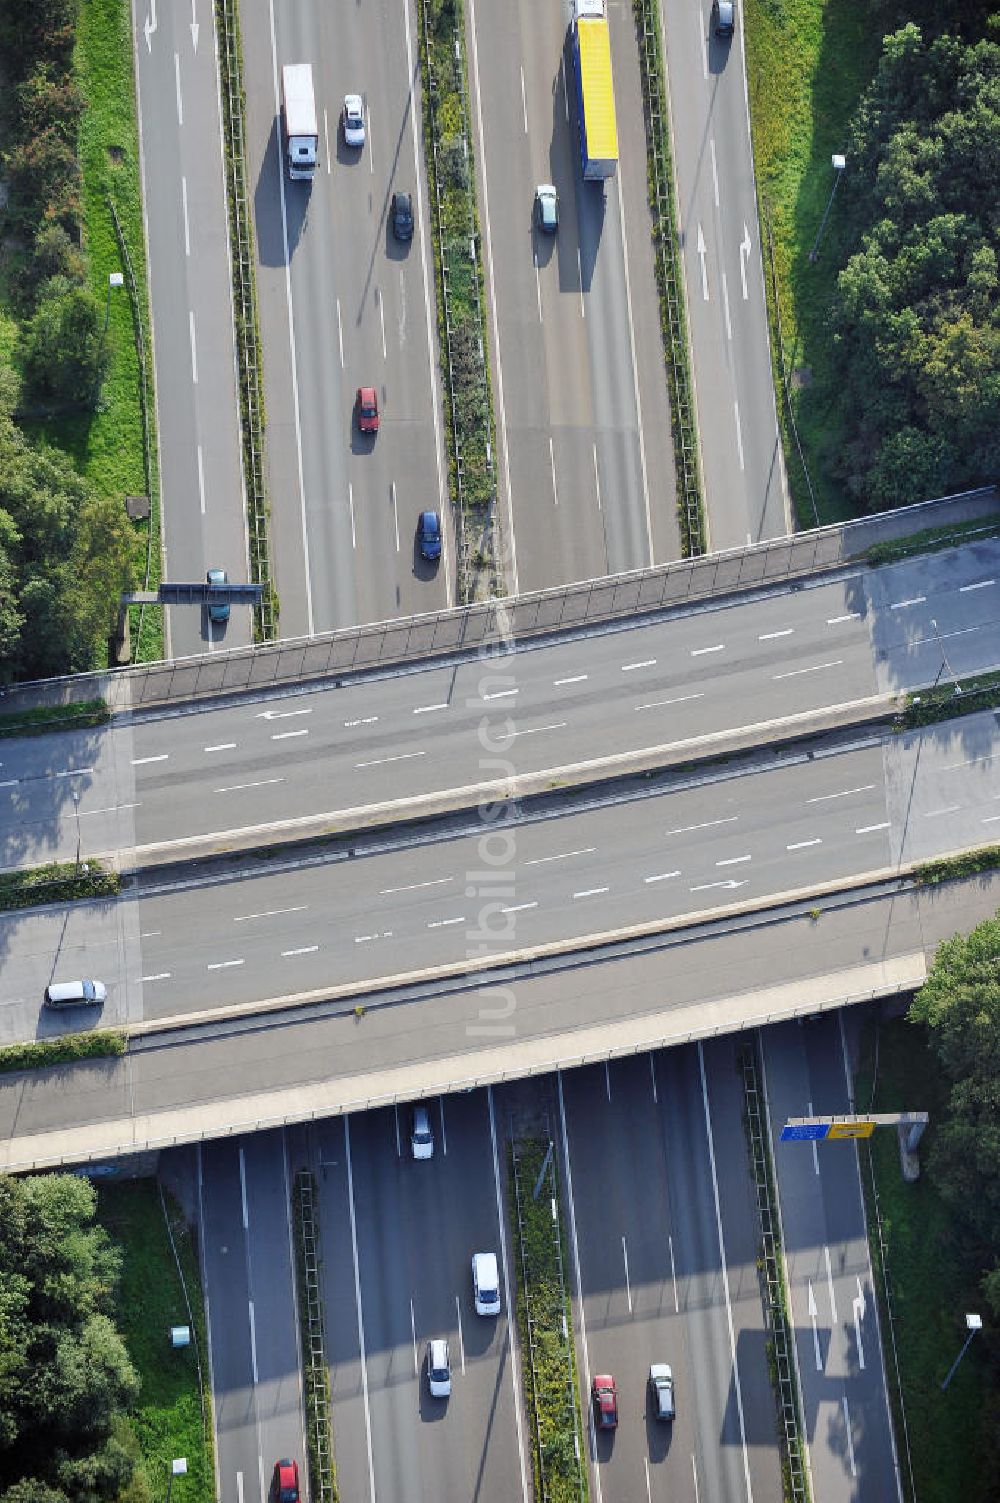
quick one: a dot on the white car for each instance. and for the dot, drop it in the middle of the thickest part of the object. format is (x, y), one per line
(661, 1391)
(438, 1369)
(421, 1136)
(354, 120)
(485, 1283)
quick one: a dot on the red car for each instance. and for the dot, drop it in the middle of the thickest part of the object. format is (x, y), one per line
(604, 1393)
(286, 1482)
(367, 405)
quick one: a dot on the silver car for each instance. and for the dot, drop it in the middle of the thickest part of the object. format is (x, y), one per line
(438, 1368)
(661, 1391)
(354, 120)
(547, 208)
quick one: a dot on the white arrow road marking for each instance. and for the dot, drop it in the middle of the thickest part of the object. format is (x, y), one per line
(829, 1280)
(194, 26)
(744, 259)
(149, 25)
(858, 1307)
(701, 256)
(730, 885)
(281, 714)
(813, 1312)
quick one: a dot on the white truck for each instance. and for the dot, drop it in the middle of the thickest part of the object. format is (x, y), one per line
(298, 108)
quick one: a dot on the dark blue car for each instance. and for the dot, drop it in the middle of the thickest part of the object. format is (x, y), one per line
(429, 535)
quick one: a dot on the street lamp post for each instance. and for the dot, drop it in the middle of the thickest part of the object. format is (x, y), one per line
(839, 163)
(944, 658)
(76, 809)
(973, 1323)
(115, 279)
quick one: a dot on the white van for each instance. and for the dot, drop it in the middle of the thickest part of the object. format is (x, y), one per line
(72, 993)
(485, 1283)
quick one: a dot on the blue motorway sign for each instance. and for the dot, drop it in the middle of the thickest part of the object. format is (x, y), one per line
(808, 1131)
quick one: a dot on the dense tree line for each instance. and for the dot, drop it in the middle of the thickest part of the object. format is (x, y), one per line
(916, 315)
(66, 1380)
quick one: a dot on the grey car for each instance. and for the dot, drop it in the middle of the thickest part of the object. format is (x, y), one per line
(547, 208)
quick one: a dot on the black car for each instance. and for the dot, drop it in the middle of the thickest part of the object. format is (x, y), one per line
(402, 216)
(429, 535)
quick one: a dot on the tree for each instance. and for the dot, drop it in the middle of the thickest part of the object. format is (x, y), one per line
(64, 350)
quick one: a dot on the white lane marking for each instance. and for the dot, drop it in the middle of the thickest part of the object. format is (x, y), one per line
(725, 306)
(590, 892)
(150, 933)
(848, 616)
(829, 1282)
(426, 709)
(366, 939)
(223, 965)
(644, 663)
(673, 1274)
(694, 1473)
(597, 480)
(287, 735)
(444, 1135)
(239, 1487)
(326, 143)
(725, 1273)
(141, 761)
(399, 757)
(240, 787)
(991, 819)
(816, 668)
(365, 720)
(801, 845)
(194, 347)
(158, 976)
(970, 762)
(184, 210)
(283, 714)
(74, 772)
(868, 829)
(709, 824)
(244, 918)
(395, 514)
(658, 704)
(587, 850)
(446, 923)
(177, 85)
(534, 730)
(253, 1342)
(949, 809)
(575, 1245)
(812, 1145)
(368, 138)
(858, 1308)
(848, 1437)
(513, 1367)
(771, 636)
(577, 678)
(628, 1286)
(652, 1076)
(413, 1330)
(552, 463)
(201, 480)
(579, 270)
(399, 1145)
(243, 1191)
(901, 605)
(302, 950)
(607, 1078)
(636, 392)
(524, 103)
(523, 907)
(340, 335)
(357, 1301)
(739, 434)
(108, 808)
(461, 1338)
(699, 652)
(649, 1492)
(813, 1310)
(715, 170)
(822, 798)
(734, 861)
(386, 892)
(350, 503)
(538, 287)
(661, 877)
(501, 694)
(982, 584)
(221, 746)
(381, 316)
(10, 782)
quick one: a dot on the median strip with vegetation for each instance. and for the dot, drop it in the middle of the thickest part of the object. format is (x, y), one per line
(947, 701)
(44, 719)
(59, 882)
(315, 1372)
(69, 1049)
(545, 1326)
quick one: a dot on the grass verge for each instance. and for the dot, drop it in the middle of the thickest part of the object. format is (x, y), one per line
(173, 1412)
(47, 718)
(952, 868)
(944, 702)
(919, 1259)
(315, 1373)
(71, 1047)
(545, 1328)
(808, 62)
(931, 540)
(59, 882)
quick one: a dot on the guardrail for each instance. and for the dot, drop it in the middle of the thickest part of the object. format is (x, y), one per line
(496, 623)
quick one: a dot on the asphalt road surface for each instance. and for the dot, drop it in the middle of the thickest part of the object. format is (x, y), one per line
(398, 1238)
(342, 305)
(197, 409)
(664, 1241)
(833, 1309)
(583, 421)
(234, 767)
(741, 458)
(247, 1262)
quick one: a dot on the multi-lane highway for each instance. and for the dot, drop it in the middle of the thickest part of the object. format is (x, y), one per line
(184, 197)
(222, 768)
(342, 305)
(580, 390)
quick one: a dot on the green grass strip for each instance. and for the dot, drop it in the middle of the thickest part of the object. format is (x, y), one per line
(558, 1445)
(47, 718)
(68, 1049)
(930, 540)
(58, 882)
(173, 1415)
(953, 868)
(315, 1373)
(944, 702)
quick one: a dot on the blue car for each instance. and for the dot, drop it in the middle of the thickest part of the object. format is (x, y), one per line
(429, 535)
(218, 612)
